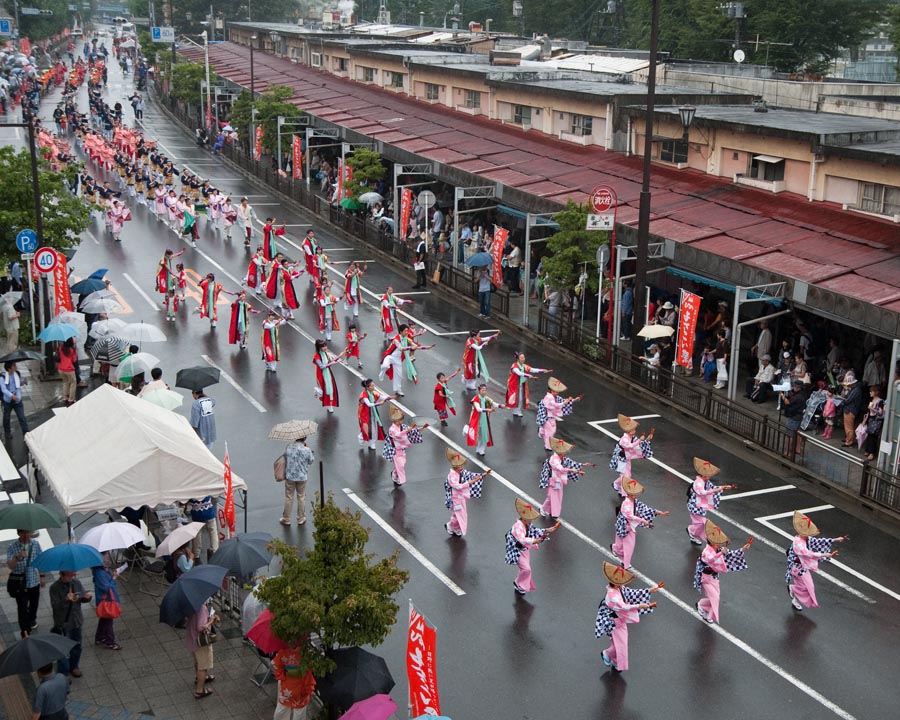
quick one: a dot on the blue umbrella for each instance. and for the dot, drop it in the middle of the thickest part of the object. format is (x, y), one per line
(98, 274)
(58, 332)
(480, 259)
(71, 557)
(189, 592)
(88, 285)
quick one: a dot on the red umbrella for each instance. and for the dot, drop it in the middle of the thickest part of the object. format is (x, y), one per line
(261, 635)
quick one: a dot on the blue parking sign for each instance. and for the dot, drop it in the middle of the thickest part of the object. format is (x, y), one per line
(5, 28)
(26, 241)
(155, 34)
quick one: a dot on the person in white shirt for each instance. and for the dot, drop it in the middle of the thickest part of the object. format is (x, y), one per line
(759, 387)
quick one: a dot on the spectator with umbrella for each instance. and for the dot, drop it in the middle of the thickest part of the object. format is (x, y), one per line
(68, 362)
(203, 418)
(11, 384)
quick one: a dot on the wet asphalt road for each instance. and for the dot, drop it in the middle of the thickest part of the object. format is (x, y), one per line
(501, 655)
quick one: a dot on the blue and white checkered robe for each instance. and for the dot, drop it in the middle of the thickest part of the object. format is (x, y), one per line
(567, 407)
(734, 561)
(546, 471)
(618, 455)
(692, 500)
(605, 622)
(642, 510)
(513, 549)
(388, 450)
(464, 476)
(819, 545)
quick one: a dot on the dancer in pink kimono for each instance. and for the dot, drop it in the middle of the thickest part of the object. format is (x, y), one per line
(803, 557)
(459, 486)
(229, 216)
(716, 558)
(620, 608)
(400, 438)
(628, 448)
(159, 201)
(521, 539)
(172, 213)
(703, 496)
(632, 515)
(118, 215)
(553, 408)
(556, 472)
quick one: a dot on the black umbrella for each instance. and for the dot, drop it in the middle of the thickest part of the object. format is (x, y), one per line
(87, 286)
(197, 378)
(241, 557)
(21, 356)
(109, 349)
(189, 592)
(359, 675)
(34, 652)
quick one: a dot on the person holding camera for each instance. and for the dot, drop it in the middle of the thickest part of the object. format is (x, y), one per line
(67, 595)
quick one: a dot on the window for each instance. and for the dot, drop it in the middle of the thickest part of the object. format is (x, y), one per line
(397, 80)
(340, 64)
(881, 199)
(522, 114)
(368, 74)
(315, 59)
(766, 167)
(473, 99)
(432, 91)
(673, 151)
(582, 125)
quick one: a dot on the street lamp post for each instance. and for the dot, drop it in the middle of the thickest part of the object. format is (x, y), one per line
(252, 78)
(205, 36)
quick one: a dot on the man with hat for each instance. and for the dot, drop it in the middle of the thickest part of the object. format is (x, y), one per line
(552, 408)
(620, 608)
(803, 556)
(521, 539)
(851, 406)
(715, 559)
(400, 437)
(628, 448)
(760, 385)
(632, 514)
(556, 473)
(703, 496)
(459, 486)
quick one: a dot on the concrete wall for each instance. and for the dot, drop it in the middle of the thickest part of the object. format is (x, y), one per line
(864, 108)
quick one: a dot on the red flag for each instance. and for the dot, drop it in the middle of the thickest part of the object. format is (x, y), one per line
(340, 187)
(62, 296)
(229, 492)
(258, 149)
(348, 176)
(297, 147)
(500, 237)
(421, 665)
(688, 312)
(405, 210)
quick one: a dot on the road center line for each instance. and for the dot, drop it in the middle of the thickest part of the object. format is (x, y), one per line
(615, 419)
(141, 292)
(231, 381)
(404, 543)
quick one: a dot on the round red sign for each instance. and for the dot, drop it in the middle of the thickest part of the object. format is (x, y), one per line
(602, 199)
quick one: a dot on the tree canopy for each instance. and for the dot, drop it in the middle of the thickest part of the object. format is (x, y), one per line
(572, 247)
(367, 170)
(38, 27)
(269, 105)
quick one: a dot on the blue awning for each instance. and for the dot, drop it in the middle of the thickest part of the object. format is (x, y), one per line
(524, 216)
(717, 284)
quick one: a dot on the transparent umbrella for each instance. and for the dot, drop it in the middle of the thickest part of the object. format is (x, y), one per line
(141, 333)
(137, 363)
(166, 399)
(102, 306)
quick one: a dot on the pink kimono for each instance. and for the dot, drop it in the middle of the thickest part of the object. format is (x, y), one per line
(626, 613)
(806, 560)
(631, 450)
(401, 442)
(709, 584)
(459, 494)
(521, 535)
(553, 407)
(623, 546)
(559, 478)
(704, 497)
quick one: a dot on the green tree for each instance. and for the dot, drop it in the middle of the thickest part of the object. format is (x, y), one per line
(892, 18)
(335, 592)
(186, 79)
(39, 27)
(64, 217)
(367, 170)
(572, 247)
(269, 106)
(241, 115)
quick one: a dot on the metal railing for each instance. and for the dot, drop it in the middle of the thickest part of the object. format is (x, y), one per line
(880, 486)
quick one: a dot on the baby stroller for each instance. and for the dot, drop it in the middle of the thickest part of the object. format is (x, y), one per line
(812, 416)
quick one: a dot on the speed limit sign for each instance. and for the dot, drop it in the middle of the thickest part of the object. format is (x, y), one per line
(45, 259)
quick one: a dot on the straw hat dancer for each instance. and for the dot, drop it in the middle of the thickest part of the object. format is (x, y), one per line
(632, 514)
(629, 447)
(552, 408)
(521, 539)
(703, 496)
(459, 486)
(806, 552)
(400, 438)
(556, 473)
(716, 558)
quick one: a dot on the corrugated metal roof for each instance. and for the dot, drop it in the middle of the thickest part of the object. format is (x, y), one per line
(861, 288)
(730, 247)
(601, 64)
(806, 270)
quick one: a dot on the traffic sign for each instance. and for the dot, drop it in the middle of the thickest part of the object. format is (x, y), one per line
(45, 259)
(26, 241)
(5, 27)
(162, 34)
(426, 199)
(602, 199)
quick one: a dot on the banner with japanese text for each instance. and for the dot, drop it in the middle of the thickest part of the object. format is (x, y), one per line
(421, 665)
(688, 312)
(229, 492)
(405, 210)
(340, 187)
(501, 235)
(62, 295)
(348, 176)
(257, 150)
(297, 147)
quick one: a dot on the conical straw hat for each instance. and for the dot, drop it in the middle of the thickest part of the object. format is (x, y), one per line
(803, 526)
(616, 574)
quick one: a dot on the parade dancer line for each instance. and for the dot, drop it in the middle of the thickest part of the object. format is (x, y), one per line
(556, 472)
(327, 389)
(459, 486)
(309, 246)
(328, 319)
(521, 539)
(397, 359)
(400, 438)
(804, 556)
(256, 271)
(271, 350)
(517, 395)
(270, 249)
(703, 496)
(166, 277)
(280, 285)
(632, 514)
(620, 608)
(371, 428)
(474, 366)
(628, 448)
(716, 558)
(553, 408)
(443, 400)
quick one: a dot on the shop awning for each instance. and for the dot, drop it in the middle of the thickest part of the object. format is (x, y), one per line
(715, 283)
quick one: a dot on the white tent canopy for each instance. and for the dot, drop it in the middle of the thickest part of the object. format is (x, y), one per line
(111, 450)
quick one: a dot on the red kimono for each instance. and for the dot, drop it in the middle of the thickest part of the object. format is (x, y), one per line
(240, 323)
(443, 403)
(366, 414)
(269, 250)
(256, 272)
(309, 254)
(280, 287)
(479, 425)
(353, 344)
(328, 389)
(210, 294)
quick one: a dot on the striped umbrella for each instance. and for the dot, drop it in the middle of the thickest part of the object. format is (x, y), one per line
(109, 349)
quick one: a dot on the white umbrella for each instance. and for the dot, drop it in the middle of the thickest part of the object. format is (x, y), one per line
(113, 536)
(69, 317)
(138, 363)
(11, 298)
(141, 332)
(102, 306)
(166, 399)
(178, 537)
(99, 295)
(127, 44)
(370, 198)
(651, 332)
(106, 327)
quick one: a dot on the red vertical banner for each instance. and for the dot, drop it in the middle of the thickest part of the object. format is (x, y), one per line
(688, 312)
(297, 147)
(421, 665)
(340, 187)
(405, 210)
(501, 235)
(229, 492)
(62, 296)
(257, 150)
(348, 176)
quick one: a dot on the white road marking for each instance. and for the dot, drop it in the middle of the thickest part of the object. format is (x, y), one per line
(615, 419)
(92, 236)
(413, 292)
(231, 381)
(743, 528)
(750, 493)
(790, 513)
(141, 292)
(404, 543)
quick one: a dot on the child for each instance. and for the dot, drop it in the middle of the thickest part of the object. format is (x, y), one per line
(708, 362)
(442, 400)
(828, 413)
(171, 305)
(353, 339)
(182, 284)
